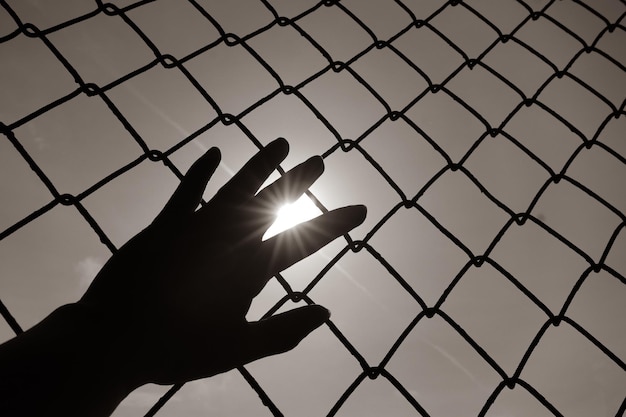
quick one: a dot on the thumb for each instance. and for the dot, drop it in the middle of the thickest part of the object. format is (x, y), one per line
(283, 332)
(189, 192)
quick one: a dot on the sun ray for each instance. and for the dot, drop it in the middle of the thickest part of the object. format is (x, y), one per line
(292, 214)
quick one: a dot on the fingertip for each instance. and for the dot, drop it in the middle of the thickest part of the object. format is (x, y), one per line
(280, 141)
(311, 317)
(353, 216)
(317, 164)
(319, 312)
(209, 160)
(279, 145)
(360, 212)
(308, 171)
(188, 194)
(214, 153)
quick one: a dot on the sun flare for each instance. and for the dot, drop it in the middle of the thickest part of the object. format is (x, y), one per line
(292, 214)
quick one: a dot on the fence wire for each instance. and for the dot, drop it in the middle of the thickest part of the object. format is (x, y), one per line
(586, 36)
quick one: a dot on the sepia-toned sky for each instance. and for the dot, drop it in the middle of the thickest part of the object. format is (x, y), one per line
(439, 190)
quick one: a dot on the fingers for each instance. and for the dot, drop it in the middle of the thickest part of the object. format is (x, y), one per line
(188, 195)
(247, 181)
(287, 189)
(293, 184)
(292, 245)
(283, 332)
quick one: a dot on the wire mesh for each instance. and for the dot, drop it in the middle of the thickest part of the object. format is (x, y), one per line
(540, 84)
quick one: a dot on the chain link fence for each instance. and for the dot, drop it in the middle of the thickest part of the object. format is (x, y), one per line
(486, 138)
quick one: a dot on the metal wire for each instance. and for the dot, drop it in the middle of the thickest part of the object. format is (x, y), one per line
(162, 59)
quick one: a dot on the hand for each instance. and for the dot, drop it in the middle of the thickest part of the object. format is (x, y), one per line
(173, 300)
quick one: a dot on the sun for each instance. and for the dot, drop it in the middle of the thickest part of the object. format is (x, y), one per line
(292, 214)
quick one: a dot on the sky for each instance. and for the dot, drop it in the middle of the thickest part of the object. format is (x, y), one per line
(51, 260)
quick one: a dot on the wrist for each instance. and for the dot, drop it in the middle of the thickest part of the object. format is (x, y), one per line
(67, 359)
(98, 347)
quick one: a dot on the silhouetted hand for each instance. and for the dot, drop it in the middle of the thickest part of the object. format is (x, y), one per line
(170, 305)
(172, 301)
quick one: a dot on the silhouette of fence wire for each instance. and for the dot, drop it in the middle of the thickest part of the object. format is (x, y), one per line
(586, 44)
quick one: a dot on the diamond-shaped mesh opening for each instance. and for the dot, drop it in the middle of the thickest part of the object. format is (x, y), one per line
(174, 30)
(21, 81)
(100, 49)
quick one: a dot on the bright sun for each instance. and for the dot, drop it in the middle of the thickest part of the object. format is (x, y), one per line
(292, 214)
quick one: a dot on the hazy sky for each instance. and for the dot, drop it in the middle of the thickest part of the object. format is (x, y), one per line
(52, 259)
